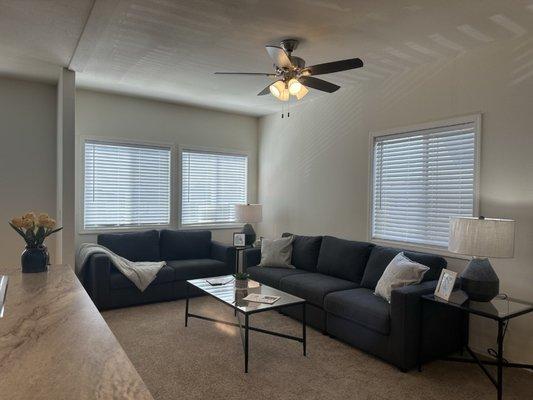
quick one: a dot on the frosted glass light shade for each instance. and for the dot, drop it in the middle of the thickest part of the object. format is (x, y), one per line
(276, 88)
(303, 91)
(294, 86)
(489, 237)
(249, 213)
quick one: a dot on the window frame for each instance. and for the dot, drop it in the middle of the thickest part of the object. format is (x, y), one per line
(476, 119)
(82, 230)
(212, 150)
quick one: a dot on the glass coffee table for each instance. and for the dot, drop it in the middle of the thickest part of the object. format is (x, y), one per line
(234, 298)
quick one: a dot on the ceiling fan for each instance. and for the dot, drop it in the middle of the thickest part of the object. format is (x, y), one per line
(293, 77)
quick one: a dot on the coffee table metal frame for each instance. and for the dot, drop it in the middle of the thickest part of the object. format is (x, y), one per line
(245, 328)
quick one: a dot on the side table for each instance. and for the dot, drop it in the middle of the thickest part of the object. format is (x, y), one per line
(501, 310)
(238, 252)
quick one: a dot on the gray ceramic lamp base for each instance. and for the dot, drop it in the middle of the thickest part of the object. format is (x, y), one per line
(479, 280)
(248, 230)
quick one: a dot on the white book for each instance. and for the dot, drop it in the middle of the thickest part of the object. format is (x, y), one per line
(261, 298)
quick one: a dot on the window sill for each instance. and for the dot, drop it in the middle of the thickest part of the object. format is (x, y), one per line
(210, 227)
(97, 231)
(441, 251)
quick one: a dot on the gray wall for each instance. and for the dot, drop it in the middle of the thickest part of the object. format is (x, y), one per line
(27, 158)
(314, 166)
(113, 116)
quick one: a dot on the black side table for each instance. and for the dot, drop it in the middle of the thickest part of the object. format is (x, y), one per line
(238, 251)
(501, 310)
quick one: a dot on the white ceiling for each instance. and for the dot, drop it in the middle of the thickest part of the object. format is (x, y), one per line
(169, 49)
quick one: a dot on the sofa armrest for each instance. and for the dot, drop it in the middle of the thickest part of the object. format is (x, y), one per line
(97, 279)
(251, 258)
(224, 253)
(442, 329)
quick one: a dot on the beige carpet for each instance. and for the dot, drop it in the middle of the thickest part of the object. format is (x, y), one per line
(205, 361)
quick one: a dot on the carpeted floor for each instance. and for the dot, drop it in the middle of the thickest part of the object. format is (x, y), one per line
(205, 361)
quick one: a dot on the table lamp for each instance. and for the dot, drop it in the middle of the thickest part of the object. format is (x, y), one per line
(481, 238)
(249, 214)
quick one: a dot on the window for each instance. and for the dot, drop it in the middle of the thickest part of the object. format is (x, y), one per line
(126, 185)
(212, 183)
(421, 178)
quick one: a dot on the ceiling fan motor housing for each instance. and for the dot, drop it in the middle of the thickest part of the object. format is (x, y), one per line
(289, 45)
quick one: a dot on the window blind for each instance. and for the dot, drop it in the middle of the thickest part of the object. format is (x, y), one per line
(212, 183)
(420, 180)
(126, 185)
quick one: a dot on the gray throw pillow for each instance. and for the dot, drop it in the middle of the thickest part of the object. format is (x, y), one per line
(276, 253)
(400, 272)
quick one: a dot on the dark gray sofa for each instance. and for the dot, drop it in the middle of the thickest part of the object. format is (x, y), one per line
(337, 278)
(188, 255)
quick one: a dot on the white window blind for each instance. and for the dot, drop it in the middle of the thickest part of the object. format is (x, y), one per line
(126, 185)
(421, 179)
(212, 183)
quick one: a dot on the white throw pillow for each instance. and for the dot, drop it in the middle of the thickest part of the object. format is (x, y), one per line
(400, 272)
(276, 253)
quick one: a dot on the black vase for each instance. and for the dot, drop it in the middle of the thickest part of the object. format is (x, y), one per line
(34, 259)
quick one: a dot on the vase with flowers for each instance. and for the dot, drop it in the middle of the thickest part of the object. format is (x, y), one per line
(34, 230)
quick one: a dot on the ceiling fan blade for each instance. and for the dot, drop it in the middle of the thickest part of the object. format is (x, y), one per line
(264, 91)
(244, 73)
(280, 57)
(319, 84)
(335, 66)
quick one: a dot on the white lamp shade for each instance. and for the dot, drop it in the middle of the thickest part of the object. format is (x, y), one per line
(249, 213)
(489, 237)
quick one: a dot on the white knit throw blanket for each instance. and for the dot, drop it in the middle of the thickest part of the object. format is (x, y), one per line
(141, 273)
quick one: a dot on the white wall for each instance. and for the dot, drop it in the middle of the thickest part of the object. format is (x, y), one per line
(106, 115)
(27, 159)
(314, 166)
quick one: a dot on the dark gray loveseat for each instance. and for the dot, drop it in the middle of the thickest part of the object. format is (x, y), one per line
(337, 278)
(188, 255)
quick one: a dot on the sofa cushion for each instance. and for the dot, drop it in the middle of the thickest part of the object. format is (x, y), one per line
(197, 268)
(117, 280)
(305, 250)
(184, 245)
(134, 246)
(276, 253)
(380, 257)
(313, 287)
(343, 259)
(271, 276)
(361, 306)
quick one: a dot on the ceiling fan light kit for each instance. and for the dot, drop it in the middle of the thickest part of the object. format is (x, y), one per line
(293, 77)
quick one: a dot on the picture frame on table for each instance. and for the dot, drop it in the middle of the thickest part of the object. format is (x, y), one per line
(446, 284)
(239, 239)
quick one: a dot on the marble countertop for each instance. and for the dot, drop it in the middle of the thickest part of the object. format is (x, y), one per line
(54, 344)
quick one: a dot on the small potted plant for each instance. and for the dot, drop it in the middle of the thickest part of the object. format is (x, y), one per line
(34, 230)
(241, 280)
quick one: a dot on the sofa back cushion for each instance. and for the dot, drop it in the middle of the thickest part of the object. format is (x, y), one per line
(185, 245)
(343, 259)
(380, 257)
(134, 246)
(305, 250)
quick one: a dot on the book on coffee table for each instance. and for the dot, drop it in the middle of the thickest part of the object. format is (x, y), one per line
(219, 281)
(261, 298)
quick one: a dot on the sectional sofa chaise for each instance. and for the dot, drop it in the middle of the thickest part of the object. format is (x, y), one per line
(337, 278)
